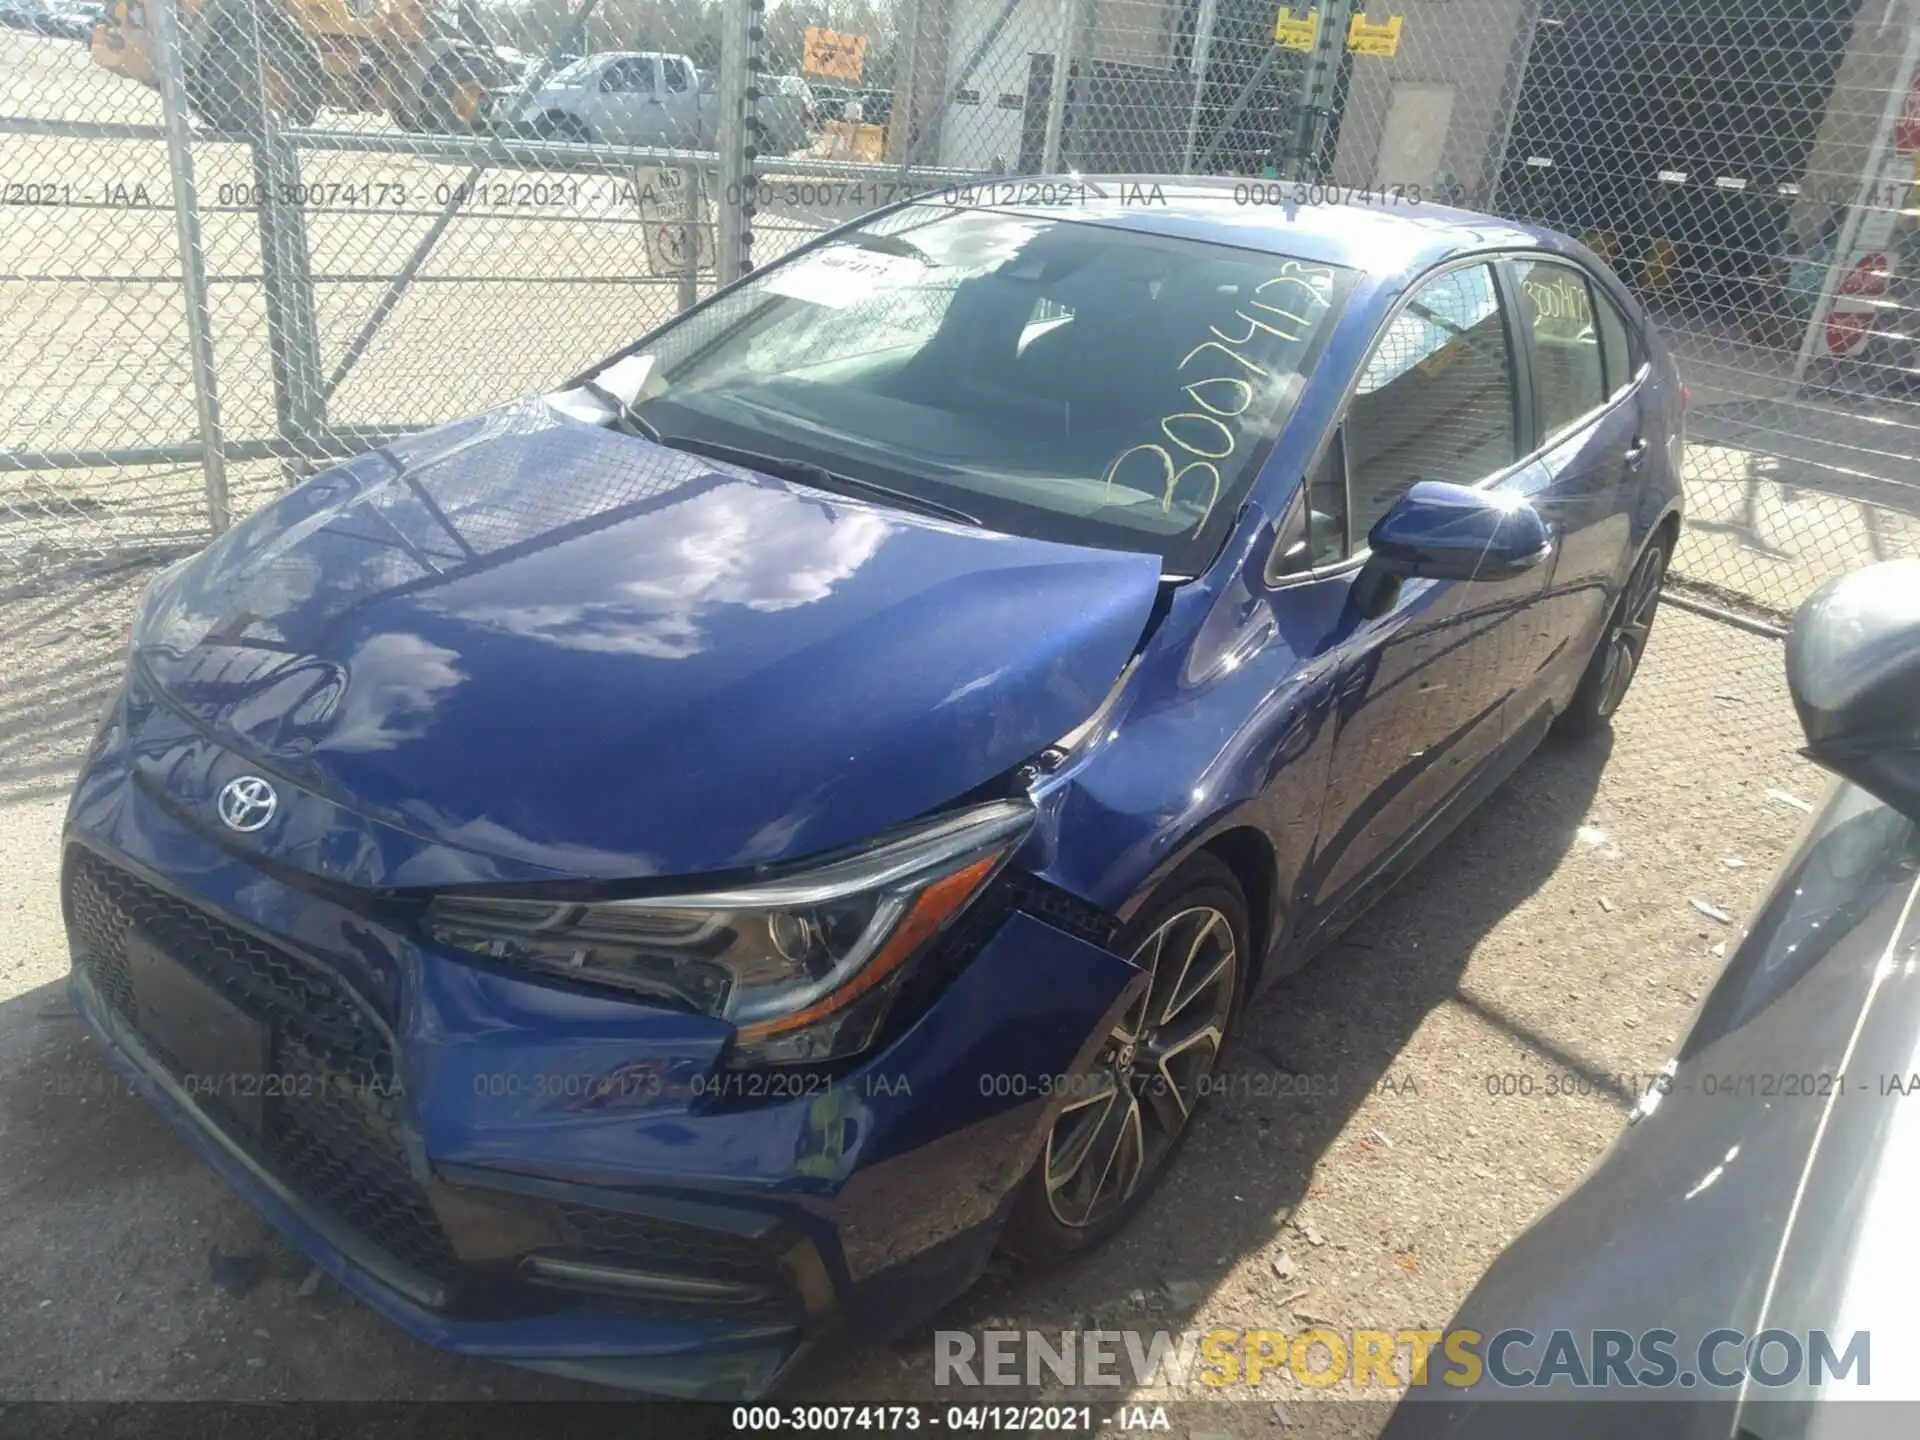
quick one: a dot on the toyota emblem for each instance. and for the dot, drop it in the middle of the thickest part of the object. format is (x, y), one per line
(247, 803)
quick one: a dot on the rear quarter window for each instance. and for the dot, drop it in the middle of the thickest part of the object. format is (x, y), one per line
(1618, 350)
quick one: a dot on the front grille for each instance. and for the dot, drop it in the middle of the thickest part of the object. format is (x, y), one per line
(330, 1127)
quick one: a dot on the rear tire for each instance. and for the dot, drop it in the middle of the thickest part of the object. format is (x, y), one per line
(1616, 659)
(1125, 1118)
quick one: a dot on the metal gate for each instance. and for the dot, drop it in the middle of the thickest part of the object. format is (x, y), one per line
(242, 238)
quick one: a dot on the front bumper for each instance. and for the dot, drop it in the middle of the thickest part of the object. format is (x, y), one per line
(560, 1180)
(692, 1358)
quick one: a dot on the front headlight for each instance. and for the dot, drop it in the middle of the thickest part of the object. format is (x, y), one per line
(804, 966)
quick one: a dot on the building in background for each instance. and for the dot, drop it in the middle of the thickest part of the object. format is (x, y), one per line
(1698, 147)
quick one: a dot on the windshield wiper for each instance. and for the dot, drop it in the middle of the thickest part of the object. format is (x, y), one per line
(624, 414)
(808, 473)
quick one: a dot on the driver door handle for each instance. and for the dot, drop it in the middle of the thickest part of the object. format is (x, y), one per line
(1636, 452)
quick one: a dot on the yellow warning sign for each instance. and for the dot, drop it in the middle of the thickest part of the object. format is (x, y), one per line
(1366, 38)
(1297, 32)
(836, 56)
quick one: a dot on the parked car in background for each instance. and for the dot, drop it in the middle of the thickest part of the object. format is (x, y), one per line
(1765, 1181)
(57, 19)
(622, 97)
(789, 114)
(710, 854)
(81, 16)
(85, 14)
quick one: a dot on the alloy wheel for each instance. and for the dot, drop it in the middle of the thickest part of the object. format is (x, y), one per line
(1627, 640)
(1126, 1113)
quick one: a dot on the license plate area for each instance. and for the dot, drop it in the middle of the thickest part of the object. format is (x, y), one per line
(216, 1051)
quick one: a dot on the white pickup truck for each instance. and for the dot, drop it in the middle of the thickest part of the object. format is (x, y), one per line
(622, 97)
(644, 97)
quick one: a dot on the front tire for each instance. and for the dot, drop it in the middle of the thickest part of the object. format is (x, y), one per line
(1616, 660)
(1126, 1116)
(566, 129)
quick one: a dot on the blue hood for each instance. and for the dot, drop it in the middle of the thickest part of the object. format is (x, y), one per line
(552, 643)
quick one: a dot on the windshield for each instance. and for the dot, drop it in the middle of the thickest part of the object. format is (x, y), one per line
(1055, 378)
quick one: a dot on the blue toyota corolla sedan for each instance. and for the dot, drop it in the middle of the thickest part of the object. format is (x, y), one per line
(662, 874)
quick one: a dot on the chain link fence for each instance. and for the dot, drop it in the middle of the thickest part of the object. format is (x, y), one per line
(240, 239)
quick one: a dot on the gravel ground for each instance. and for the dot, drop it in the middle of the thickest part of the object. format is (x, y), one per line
(1552, 940)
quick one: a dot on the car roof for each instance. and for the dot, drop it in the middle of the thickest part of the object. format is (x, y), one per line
(1378, 233)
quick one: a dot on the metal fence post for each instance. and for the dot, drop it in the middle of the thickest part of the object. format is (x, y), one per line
(286, 282)
(168, 71)
(1057, 92)
(734, 139)
(1203, 43)
(286, 271)
(697, 205)
(1314, 100)
(906, 68)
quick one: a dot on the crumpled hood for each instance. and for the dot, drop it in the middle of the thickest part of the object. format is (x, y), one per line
(549, 642)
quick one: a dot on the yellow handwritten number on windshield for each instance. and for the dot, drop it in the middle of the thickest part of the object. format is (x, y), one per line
(1207, 436)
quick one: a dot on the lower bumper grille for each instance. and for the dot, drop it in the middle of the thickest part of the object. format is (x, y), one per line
(329, 1127)
(647, 1243)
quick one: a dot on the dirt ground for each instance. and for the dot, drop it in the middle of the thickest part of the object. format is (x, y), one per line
(1552, 945)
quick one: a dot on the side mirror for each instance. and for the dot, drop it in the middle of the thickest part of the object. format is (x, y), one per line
(1438, 531)
(1853, 667)
(1453, 532)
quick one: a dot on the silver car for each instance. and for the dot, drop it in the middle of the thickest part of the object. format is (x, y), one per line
(622, 97)
(1746, 1250)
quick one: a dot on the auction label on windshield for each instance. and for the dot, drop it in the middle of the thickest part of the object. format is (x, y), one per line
(842, 275)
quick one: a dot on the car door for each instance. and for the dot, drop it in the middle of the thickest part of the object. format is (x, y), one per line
(1593, 440)
(621, 101)
(1421, 690)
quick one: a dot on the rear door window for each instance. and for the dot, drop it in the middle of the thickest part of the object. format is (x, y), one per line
(1556, 307)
